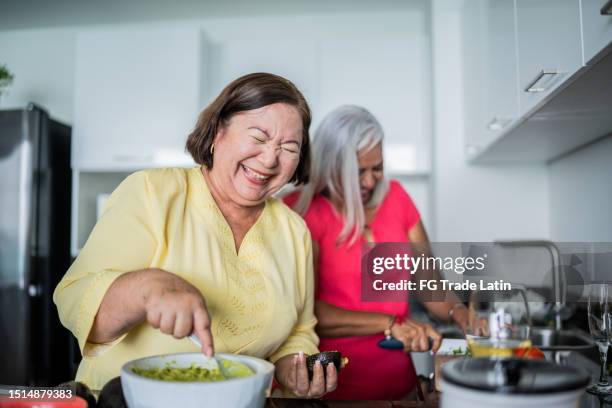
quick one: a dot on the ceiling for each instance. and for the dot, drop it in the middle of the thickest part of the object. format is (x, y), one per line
(28, 14)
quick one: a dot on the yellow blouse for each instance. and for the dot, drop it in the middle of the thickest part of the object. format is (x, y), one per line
(260, 299)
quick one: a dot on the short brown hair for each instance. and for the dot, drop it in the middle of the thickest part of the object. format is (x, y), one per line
(250, 92)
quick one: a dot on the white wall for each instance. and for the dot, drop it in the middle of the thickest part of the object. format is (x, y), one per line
(43, 63)
(64, 13)
(474, 203)
(581, 194)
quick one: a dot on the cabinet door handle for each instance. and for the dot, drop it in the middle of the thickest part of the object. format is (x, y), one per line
(543, 73)
(472, 149)
(498, 123)
(606, 10)
(134, 158)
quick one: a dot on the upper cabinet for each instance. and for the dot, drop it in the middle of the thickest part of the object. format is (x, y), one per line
(139, 90)
(282, 57)
(533, 90)
(549, 46)
(596, 26)
(490, 71)
(137, 96)
(389, 77)
(386, 75)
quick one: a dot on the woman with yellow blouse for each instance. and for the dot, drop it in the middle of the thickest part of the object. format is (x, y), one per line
(206, 250)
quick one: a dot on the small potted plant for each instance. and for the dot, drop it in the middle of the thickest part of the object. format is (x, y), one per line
(6, 78)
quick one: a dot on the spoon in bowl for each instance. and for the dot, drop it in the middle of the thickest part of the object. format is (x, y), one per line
(211, 363)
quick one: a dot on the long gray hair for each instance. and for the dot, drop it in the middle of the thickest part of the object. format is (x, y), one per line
(341, 135)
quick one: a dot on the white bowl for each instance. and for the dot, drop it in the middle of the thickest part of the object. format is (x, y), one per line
(247, 392)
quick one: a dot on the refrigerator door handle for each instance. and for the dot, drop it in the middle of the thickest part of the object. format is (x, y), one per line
(25, 213)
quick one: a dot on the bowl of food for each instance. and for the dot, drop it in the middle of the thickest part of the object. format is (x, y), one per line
(194, 380)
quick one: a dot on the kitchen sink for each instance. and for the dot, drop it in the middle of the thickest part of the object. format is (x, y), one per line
(564, 340)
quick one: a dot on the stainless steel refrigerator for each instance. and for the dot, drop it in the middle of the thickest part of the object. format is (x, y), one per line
(35, 191)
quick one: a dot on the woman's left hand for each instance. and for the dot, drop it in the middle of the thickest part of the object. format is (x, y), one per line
(292, 373)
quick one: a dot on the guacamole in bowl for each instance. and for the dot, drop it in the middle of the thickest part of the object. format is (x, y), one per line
(227, 370)
(194, 380)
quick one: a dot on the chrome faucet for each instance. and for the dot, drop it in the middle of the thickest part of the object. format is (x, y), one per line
(558, 278)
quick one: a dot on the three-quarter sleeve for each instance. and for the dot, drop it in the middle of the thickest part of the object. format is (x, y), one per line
(303, 336)
(123, 240)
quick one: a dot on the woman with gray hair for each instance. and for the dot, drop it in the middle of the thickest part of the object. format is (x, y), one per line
(347, 203)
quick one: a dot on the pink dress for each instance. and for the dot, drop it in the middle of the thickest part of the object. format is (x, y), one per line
(373, 373)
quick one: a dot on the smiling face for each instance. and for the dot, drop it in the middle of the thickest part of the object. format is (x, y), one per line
(370, 163)
(257, 153)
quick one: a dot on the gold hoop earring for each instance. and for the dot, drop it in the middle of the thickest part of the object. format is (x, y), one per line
(212, 149)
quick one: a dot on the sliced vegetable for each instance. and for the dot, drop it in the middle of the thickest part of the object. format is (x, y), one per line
(532, 353)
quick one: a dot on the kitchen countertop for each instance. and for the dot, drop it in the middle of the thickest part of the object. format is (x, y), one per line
(582, 359)
(301, 403)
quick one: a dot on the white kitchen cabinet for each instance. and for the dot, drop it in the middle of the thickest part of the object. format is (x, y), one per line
(596, 27)
(549, 47)
(137, 96)
(490, 71)
(295, 62)
(387, 76)
(390, 78)
(562, 99)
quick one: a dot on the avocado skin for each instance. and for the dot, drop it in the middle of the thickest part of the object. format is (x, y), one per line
(325, 357)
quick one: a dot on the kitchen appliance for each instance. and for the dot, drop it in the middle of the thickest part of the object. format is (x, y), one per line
(509, 383)
(35, 197)
(246, 392)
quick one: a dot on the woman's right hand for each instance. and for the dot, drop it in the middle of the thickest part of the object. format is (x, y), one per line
(176, 307)
(415, 335)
